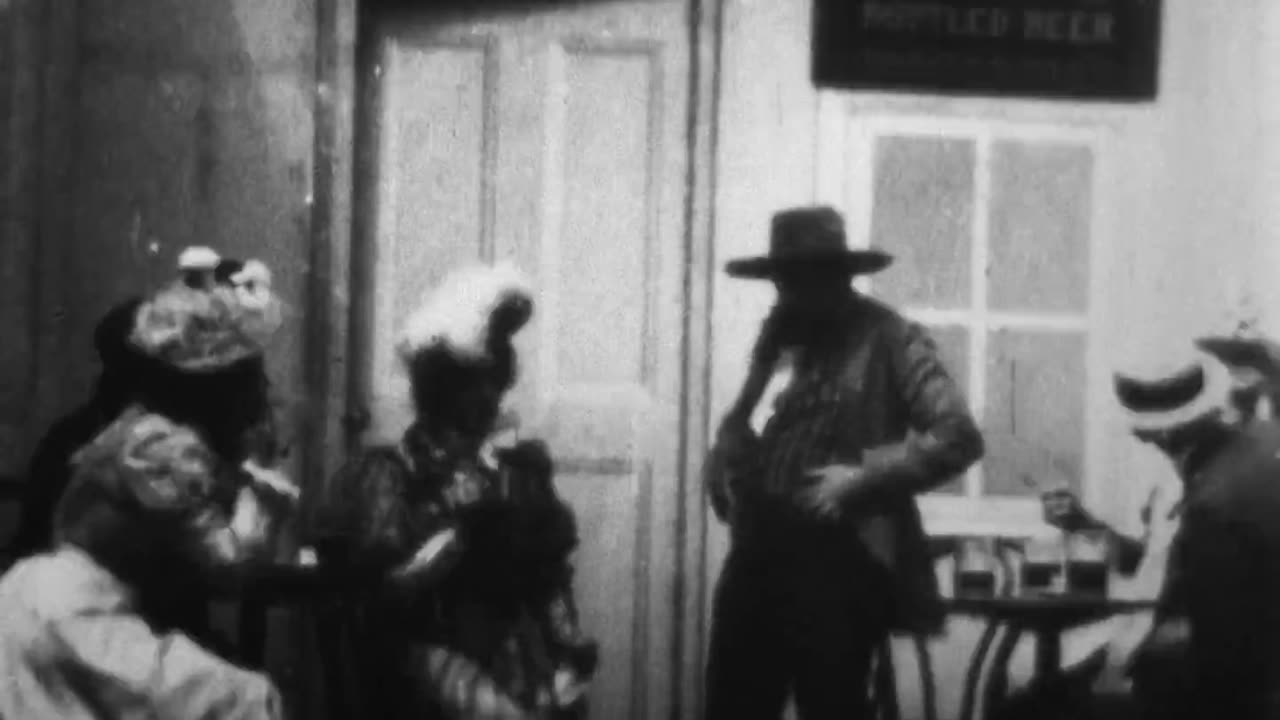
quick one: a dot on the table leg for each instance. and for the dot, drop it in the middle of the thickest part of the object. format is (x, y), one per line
(974, 675)
(1048, 654)
(253, 631)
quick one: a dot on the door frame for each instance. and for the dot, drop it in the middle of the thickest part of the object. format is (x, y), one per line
(334, 375)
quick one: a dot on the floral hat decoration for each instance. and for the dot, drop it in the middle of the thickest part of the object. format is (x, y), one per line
(218, 312)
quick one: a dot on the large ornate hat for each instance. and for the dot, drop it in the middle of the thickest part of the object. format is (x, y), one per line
(809, 237)
(471, 311)
(1175, 393)
(219, 312)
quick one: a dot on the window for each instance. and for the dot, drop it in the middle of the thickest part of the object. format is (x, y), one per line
(993, 227)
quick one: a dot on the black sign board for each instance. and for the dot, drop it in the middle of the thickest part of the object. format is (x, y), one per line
(1081, 49)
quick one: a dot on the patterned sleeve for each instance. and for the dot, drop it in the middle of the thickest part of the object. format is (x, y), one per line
(463, 689)
(946, 440)
(140, 673)
(362, 516)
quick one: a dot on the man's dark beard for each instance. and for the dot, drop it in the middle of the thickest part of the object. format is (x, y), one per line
(802, 327)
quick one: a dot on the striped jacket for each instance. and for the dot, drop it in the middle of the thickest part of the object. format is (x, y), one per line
(876, 395)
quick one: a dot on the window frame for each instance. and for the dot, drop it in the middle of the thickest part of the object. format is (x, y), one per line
(845, 167)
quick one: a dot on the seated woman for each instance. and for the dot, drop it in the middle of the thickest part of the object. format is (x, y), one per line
(193, 353)
(142, 515)
(477, 619)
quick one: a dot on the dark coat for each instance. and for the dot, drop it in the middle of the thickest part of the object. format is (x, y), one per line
(895, 411)
(1228, 570)
(896, 384)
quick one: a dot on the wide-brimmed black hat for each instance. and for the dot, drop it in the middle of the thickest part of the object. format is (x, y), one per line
(809, 237)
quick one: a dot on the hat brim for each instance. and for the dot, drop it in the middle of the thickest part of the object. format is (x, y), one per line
(853, 262)
(1213, 399)
(1256, 353)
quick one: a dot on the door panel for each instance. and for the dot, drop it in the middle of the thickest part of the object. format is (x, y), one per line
(556, 138)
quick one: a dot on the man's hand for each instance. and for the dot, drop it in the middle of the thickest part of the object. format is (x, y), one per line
(1063, 510)
(832, 487)
(272, 480)
(434, 557)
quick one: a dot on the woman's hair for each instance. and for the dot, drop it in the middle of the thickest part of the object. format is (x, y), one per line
(457, 347)
(442, 384)
(230, 407)
(141, 499)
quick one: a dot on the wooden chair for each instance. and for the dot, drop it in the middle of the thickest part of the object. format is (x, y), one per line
(884, 690)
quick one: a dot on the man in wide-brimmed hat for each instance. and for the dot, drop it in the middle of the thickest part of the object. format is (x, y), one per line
(828, 551)
(1224, 571)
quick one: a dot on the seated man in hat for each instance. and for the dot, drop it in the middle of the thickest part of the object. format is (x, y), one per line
(1211, 647)
(828, 550)
(1225, 564)
(1130, 665)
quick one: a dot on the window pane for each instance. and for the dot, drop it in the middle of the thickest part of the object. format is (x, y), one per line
(953, 346)
(1040, 208)
(1034, 417)
(922, 212)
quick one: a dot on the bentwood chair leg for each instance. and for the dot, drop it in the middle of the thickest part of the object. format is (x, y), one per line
(886, 683)
(929, 689)
(974, 677)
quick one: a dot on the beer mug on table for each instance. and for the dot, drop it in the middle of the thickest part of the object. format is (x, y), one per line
(1042, 564)
(1087, 568)
(977, 567)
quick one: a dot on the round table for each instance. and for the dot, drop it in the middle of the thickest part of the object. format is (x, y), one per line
(1046, 616)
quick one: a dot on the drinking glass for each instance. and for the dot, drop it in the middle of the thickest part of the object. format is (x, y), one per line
(1042, 565)
(1087, 568)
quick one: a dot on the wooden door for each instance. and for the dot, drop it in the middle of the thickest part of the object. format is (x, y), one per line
(555, 137)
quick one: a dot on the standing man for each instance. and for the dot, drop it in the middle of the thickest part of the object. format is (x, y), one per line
(1225, 563)
(828, 550)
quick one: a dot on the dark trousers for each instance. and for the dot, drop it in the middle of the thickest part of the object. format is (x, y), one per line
(803, 615)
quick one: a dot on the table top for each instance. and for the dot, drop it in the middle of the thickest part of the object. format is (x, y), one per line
(1046, 609)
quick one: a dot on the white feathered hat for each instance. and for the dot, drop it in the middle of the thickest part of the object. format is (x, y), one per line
(460, 314)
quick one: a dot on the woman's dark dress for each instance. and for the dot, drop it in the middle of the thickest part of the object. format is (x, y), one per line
(504, 605)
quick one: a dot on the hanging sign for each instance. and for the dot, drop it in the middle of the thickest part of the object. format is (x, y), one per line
(1082, 49)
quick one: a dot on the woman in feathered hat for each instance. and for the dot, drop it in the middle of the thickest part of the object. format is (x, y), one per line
(171, 500)
(490, 630)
